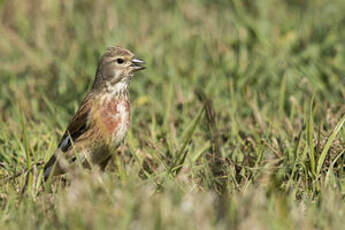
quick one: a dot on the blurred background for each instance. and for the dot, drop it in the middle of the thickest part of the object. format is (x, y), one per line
(259, 62)
(49, 50)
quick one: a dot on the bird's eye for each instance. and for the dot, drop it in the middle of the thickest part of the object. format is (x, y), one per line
(119, 60)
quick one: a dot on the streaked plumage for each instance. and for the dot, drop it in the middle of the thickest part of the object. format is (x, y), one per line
(100, 125)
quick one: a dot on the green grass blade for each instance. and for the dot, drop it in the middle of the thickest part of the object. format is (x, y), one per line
(310, 137)
(181, 155)
(331, 167)
(328, 144)
(282, 97)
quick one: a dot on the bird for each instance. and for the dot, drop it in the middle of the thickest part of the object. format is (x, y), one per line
(100, 124)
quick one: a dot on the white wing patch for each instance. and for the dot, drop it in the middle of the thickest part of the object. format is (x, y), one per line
(64, 142)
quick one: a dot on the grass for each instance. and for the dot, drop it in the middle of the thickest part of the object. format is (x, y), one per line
(237, 123)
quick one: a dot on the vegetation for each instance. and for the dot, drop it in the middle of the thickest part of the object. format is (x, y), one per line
(236, 123)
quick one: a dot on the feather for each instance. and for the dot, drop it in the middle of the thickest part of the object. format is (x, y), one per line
(77, 127)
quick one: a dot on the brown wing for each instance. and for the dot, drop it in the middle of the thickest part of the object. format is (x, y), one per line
(78, 125)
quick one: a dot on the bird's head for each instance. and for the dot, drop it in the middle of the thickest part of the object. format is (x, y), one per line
(117, 65)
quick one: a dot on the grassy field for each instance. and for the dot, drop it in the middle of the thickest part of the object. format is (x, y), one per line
(237, 122)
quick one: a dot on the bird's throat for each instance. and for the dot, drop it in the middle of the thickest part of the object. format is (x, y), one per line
(117, 90)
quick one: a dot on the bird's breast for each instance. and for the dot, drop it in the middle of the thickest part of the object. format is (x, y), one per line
(115, 116)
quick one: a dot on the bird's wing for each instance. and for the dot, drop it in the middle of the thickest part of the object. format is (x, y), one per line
(78, 126)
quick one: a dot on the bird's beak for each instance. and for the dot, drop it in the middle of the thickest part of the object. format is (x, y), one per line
(137, 64)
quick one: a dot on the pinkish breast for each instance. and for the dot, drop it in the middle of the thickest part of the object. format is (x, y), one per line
(115, 116)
